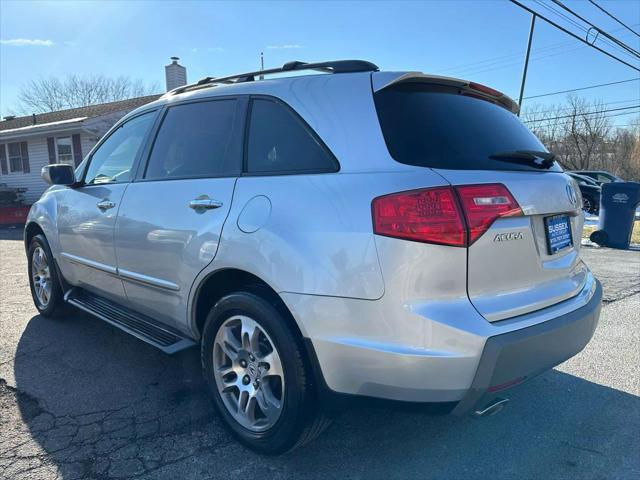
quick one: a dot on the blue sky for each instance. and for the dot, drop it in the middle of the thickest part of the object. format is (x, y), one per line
(479, 40)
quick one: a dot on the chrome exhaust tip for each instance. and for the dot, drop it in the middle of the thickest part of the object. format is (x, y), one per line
(494, 407)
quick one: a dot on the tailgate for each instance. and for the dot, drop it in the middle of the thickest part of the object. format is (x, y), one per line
(512, 269)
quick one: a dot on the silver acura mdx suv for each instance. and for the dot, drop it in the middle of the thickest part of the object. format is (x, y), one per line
(350, 234)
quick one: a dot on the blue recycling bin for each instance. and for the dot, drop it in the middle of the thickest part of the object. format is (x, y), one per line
(618, 203)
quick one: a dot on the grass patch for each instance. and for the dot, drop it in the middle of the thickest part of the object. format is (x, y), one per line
(635, 235)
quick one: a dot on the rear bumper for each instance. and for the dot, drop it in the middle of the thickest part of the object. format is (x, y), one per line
(433, 353)
(511, 358)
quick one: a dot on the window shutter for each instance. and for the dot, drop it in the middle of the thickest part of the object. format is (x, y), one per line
(51, 145)
(77, 149)
(3, 160)
(24, 153)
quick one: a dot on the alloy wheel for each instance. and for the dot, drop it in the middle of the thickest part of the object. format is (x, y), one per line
(248, 373)
(41, 276)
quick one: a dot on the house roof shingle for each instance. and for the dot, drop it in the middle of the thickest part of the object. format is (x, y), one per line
(89, 112)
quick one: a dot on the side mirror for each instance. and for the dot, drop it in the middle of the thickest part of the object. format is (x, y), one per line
(58, 174)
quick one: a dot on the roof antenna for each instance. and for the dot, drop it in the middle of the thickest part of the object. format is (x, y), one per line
(261, 77)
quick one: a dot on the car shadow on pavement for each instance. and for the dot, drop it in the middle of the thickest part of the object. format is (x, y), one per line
(12, 232)
(101, 404)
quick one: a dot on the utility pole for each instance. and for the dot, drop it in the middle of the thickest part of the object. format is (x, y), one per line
(261, 77)
(526, 61)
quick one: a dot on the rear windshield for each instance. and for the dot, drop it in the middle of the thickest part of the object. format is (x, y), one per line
(437, 127)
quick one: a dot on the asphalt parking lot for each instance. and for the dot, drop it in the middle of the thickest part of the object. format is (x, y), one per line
(80, 399)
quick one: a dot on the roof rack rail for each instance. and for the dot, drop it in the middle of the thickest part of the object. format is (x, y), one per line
(335, 66)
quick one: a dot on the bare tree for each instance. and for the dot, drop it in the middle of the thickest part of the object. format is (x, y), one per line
(572, 131)
(582, 139)
(544, 122)
(586, 132)
(623, 152)
(52, 93)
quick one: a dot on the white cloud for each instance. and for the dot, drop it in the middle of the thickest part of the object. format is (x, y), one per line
(27, 42)
(208, 49)
(287, 46)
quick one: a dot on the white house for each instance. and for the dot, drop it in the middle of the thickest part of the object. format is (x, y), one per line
(28, 143)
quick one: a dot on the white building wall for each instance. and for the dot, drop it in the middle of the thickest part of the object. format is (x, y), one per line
(87, 142)
(93, 130)
(38, 158)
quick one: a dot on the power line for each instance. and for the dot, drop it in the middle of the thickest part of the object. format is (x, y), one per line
(625, 125)
(582, 88)
(614, 17)
(501, 58)
(597, 29)
(538, 126)
(585, 114)
(497, 63)
(586, 31)
(559, 110)
(580, 114)
(551, 22)
(618, 102)
(579, 26)
(566, 17)
(612, 115)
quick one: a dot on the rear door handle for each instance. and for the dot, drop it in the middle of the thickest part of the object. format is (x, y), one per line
(201, 204)
(105, 204)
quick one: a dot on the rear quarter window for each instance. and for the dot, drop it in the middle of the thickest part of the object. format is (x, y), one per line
(279, 142)
(439, 127)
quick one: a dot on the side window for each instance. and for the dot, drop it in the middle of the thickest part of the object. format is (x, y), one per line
(194, 140)
(280, 143)
(604, 178)
(113, 161)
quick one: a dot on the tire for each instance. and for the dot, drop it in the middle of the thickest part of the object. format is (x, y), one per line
(600, 237)
(54, 305)
(231, 363)
(589, 204)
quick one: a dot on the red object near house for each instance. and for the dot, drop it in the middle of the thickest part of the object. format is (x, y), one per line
(13, 215)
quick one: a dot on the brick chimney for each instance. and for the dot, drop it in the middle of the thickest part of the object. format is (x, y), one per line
(175, 74)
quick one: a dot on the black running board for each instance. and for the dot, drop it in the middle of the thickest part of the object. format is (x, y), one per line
(167, 339)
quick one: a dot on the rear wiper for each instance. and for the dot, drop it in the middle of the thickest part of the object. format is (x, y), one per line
(537, 159)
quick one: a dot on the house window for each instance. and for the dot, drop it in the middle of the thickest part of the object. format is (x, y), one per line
(64, 150)
(15, 157)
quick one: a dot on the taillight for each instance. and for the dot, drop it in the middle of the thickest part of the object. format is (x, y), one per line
(484, 204)
(484, 89)
(430, 215)
(455, 216)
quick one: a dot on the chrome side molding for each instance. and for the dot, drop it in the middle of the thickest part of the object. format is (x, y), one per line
(90, 263)
(122, 274)
(147, 280)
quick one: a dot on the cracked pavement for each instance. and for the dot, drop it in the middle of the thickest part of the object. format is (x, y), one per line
(81, 400)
